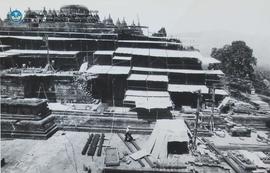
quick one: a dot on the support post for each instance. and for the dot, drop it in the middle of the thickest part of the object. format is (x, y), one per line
(212, 111)
(48, 67)
(197, 119)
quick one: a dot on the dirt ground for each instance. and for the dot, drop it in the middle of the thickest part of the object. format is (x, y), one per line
(60, 153)
(230, 140)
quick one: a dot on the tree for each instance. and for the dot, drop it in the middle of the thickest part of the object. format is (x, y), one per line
(161, 33)
(236, 59)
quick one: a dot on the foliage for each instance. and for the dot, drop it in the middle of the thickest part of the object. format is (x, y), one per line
(236, 59)
(161, 33)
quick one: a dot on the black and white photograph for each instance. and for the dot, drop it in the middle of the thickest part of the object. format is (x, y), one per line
(135, 86)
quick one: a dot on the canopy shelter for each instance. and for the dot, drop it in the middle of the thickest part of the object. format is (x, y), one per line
(148, 99)
(61, 60)
(110, 83)
(4, 47)
(209, 62)
(86, 43)
(139, 77)
(103, 57)
(193, 88)
(121, 60)
(221, 92)
(161, 58)
(154, 52)
(7, 54)
(64, 36)
(124, 58)
(183, 71)
(108, 69)
(51, 52)
(158, 52)
(148, 82)
(149, 43)
(168, 137)
(186, 94)
(187, 88)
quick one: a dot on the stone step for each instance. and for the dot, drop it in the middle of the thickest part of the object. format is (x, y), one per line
(29, 134)
(105, 129)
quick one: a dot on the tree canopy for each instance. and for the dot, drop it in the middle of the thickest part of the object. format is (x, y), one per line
(236, 59)
(161, 33)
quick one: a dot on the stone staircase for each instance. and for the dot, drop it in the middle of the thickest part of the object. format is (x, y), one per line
(263, 106)
(82, 85)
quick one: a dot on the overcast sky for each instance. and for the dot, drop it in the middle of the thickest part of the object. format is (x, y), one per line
(246, 17)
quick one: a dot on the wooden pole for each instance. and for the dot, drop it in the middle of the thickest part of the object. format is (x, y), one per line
(48, 55)
(197, 119)
(212, 112)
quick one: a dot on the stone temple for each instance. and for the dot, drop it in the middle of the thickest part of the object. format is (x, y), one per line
(74, 82)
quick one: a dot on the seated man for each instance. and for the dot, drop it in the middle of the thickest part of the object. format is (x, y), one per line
(128, 136)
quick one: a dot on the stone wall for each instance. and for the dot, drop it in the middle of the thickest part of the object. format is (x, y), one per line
(53, 88)
(11, 86)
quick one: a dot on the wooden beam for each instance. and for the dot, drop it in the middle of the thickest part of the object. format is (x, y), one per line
(130, 149)
(150, 163)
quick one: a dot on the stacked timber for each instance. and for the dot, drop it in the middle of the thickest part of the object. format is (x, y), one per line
(94, 142)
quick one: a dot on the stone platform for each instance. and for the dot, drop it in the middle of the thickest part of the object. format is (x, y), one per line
(26, 118)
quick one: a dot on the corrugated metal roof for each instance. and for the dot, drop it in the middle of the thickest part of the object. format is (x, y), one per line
(119, 70)
(99, 69)
(7, 54)
(143, 77)
(104, 52)
(126, 58)
(137, 77)
(108, 69)
(209, 60)
(58, 38)
(2, 46)
(160, 78)
(221, 92)
(166, 53)
(142, 93)
(187, 88)
(149, 99)
(29, 51)
(185, 71)
(165, 131)
(150, 102)
(147, 41)
(158, 52)
(40, 38)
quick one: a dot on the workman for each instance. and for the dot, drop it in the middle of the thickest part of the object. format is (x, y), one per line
(128, 136)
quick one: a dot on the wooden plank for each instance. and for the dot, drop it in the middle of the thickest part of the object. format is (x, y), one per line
(150, 163)
(130, 149)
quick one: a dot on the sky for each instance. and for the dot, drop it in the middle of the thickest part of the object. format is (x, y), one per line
(248, 20)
